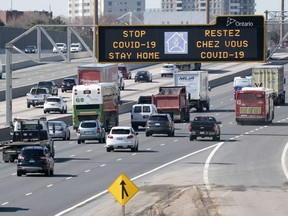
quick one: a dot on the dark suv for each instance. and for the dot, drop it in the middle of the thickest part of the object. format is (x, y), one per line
(35, 159)
(160, 124)
(68, 83)
(53, 88)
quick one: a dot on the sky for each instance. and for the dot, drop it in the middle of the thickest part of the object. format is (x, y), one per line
(60, 7)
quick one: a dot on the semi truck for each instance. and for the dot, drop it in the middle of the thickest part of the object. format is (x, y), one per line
(26, 132)
(197, 88)
(172, 100)
(99, 73)
(271, 77)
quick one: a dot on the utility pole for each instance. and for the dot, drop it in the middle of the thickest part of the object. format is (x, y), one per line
(95, 24)
(282, 23)
(207, 11)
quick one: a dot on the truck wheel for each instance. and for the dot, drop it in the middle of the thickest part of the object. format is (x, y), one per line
(79, 141)
(11, 159)
(19, 173)
(191, 138)
(147, 134)
(108, 149)
(135, 127)
(207, 107)
(28, 105)
(218, 137)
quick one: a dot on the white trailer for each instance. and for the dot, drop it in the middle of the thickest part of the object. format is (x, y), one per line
(272, 77)
(197, 87)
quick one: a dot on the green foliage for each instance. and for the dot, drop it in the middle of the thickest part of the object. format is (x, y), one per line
(57, 21)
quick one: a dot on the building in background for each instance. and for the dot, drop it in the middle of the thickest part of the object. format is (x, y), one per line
(217, 7)
(85, 8)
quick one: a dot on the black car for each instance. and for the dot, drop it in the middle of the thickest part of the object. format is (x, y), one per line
(143, 76)
(35, 159)
(68, 83)
(30, 49)
(51, 85)
(160, 124)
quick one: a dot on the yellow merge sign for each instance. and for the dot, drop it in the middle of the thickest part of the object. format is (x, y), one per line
(123, 189)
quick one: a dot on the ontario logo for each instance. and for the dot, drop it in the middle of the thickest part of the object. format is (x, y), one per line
(232, 21)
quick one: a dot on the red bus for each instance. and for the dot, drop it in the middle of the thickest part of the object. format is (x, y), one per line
(254, 105)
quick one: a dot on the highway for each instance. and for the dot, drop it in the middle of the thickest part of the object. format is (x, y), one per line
(244, 170)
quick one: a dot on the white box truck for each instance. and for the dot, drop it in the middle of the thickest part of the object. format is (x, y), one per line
(197, 87)
(271, 77)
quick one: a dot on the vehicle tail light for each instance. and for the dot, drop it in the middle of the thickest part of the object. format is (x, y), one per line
(61, 129)
(20, 157)
(110, 136)
(98, 130)
(190, 127)
(43, 157)
(130, 137)
(75, 91)
(78, 130)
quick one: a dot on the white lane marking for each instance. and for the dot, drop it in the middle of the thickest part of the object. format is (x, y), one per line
(69, 177)
(89, 150)
(176, 140)
(49, 185)
(206, 167)
(251, 131)
(162, 144)
(232, 138)
(246, 132)
(237, 137)
(72, 155)
(119, 159)
(148, 149)
(283, 160)
(87, 171)
(28, 194)
(71, 142)
(137, 177)
(134, 154)
(102, 165)
(5, 203)
(13, 174)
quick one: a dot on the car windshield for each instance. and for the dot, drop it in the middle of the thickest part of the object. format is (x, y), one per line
(54, 124)
(120, 131)
(69, 81)
(141, 72)
(45, 84)
(168, 66)
(30, 47)
(137, 109)
(146, 109)
(60, 45)
(32, 153)
(88, 125)
(57, 100)
(158, 118)
(75, 45)
(38, 91)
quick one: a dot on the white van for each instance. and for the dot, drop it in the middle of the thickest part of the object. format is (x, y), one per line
(140, 114)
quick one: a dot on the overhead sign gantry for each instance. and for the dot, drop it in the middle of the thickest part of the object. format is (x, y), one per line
(230, 39)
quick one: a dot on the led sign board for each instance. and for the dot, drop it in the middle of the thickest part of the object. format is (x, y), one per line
(230, 39)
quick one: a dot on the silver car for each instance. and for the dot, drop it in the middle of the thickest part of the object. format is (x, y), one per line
(91, 130)
(59, 129)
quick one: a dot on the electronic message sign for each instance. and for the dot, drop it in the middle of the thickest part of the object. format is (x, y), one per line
(230, 39)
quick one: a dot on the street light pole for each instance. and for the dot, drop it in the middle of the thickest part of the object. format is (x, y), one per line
(95, 23)
(207, 11)
(282, 24)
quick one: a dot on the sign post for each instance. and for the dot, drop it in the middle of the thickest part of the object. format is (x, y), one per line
(230, 39)
(123, 189)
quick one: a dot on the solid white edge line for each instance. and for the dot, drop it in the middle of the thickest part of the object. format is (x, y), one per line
(137, 177)
(206, 167)
(283, 160)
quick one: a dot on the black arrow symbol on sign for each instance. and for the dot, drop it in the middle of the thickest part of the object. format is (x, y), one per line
(123, 189)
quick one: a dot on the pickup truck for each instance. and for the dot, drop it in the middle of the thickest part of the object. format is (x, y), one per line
(37, 96)
(205, 126)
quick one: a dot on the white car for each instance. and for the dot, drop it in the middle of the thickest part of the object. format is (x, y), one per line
(168, 69)
(61, 47)
(122, 137)
(55, 104)
(75, 47)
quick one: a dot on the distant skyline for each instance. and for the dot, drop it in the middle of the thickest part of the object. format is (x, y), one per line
(60, 7)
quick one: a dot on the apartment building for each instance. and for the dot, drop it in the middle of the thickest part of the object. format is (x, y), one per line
(217, 7)
(85, 8)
